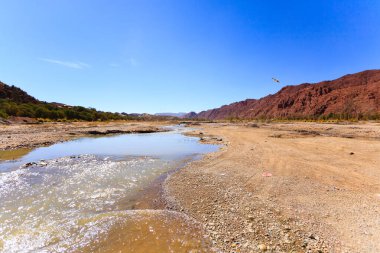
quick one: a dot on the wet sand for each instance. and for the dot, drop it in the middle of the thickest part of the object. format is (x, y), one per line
(151, 231)
(295, 187)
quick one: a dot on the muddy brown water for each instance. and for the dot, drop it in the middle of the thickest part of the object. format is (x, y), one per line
(13, 154)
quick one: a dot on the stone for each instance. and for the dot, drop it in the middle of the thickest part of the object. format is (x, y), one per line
(313, 237)
(29, 164)
(262, 247)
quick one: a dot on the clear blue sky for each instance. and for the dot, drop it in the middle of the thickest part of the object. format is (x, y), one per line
(180, 55)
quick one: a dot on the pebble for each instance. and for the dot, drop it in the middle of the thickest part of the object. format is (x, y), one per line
(313, 237)
(262, 247)
(29, 164)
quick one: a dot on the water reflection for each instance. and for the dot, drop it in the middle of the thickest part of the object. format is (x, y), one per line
(168, 146)
(75, 199)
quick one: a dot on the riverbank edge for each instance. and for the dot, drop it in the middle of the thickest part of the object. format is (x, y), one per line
(169, 201)
(23, 136)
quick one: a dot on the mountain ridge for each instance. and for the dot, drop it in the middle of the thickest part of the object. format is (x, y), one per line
(353, 95)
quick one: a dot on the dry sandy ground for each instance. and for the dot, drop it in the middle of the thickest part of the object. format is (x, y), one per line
(321, 192)
(29, 136)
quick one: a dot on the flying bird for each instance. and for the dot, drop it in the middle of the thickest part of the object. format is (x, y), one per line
(275, 80)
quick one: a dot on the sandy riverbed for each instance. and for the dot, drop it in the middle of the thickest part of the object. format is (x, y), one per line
(297, 187)
(301, 187)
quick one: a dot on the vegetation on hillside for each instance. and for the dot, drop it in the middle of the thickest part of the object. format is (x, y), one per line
(45, 110)
(16, 102)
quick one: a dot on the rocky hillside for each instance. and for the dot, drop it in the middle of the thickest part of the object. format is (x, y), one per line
(18, 106)
(15, 94)
(16, 103)
(356, 95)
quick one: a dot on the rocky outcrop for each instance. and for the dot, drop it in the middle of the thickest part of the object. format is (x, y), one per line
(355, 95)
(190, 115)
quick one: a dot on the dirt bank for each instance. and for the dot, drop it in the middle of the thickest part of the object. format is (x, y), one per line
(297, 187)
(28, 136)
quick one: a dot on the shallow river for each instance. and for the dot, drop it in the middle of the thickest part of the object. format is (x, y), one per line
(74, 196)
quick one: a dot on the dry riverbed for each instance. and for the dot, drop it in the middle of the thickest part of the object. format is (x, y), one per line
(296, 187)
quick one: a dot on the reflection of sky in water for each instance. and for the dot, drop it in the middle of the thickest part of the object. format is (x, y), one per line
(60, 206)
(161, 145)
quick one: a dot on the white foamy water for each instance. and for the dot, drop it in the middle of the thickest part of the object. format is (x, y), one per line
(42, 206)
(52, 206)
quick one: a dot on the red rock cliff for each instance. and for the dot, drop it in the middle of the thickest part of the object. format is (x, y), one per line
(354, 95)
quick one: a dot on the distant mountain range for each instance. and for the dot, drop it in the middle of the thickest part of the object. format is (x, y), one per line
(351, 96)
(172, 114)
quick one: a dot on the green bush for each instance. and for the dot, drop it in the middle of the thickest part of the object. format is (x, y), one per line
(3, 114)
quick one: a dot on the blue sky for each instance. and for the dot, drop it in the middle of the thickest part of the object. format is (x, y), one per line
(181, 55)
